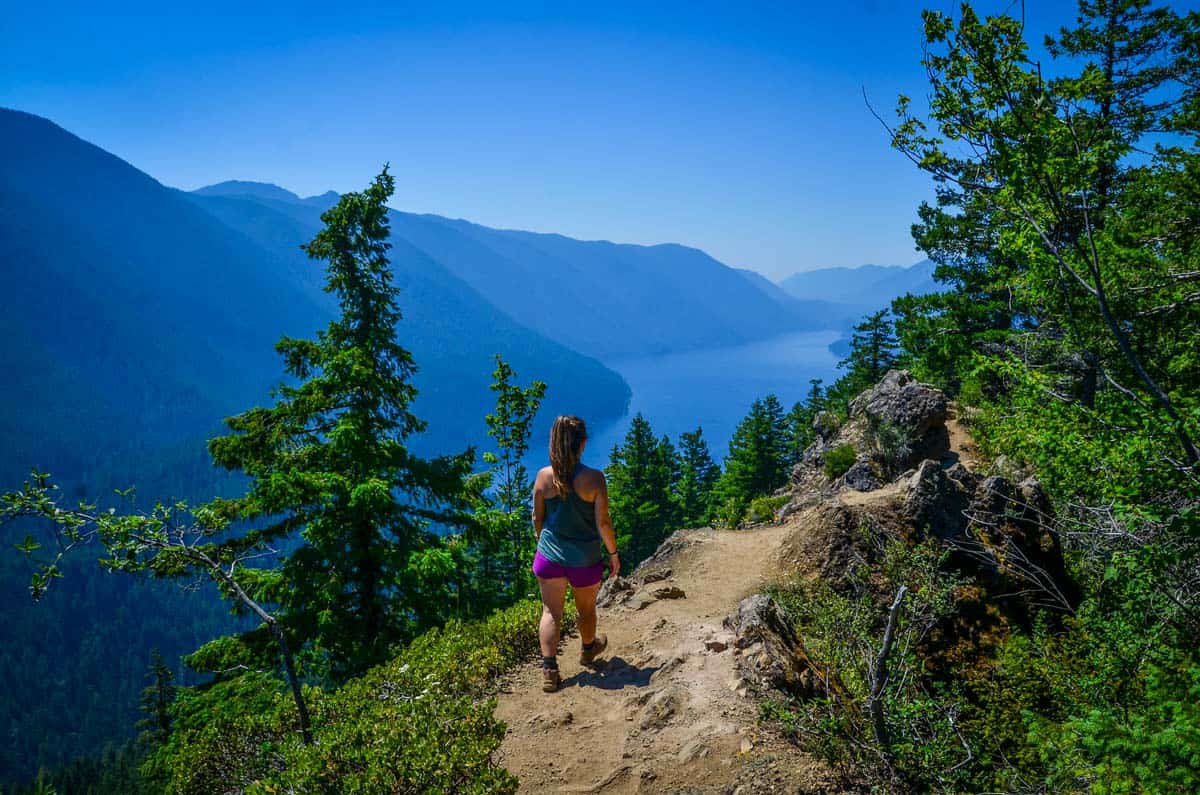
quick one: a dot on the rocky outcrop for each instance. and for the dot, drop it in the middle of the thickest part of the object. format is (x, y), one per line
(998, 529)
(1000, 526)
(935, 503)
(829, 545)
(771, 654)
(892, 426)
(864, 475)
(916, 409)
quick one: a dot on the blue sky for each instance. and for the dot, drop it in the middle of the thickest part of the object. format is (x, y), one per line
(738, 128)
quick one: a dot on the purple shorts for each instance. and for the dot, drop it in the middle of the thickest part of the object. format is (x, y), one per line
(578, 576)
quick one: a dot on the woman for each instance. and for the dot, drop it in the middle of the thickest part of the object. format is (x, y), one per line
(570, 501)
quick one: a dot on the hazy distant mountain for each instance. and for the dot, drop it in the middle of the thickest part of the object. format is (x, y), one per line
(866, 288)
(138, 314)
(605, 298)
(452, 330)
(833, 315)
(861, 290)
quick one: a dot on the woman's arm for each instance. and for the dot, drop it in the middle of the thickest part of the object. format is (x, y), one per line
(605, 526)
(539, 507)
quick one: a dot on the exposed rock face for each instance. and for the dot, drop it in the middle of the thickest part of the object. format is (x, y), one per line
(863, 475)
(999, 529)
(892, 426)
(830, 545)
(633, 591)
(771, 652)
(936, 503)
(901, 399)
(826, 425)
(614, 591)
(919, 409)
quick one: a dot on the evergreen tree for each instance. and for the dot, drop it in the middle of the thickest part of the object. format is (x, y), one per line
(640, 480)
(156, 700)
(757, 460)
(698, 475)
(501, 541)
(1062, 198)
(329, 459)
(872, 353)
(799, 432)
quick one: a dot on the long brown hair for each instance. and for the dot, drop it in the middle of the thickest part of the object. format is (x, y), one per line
(567, 436)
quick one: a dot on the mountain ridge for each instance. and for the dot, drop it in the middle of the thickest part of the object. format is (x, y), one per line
(608, 299)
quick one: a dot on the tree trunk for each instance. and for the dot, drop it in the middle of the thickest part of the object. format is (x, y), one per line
(289, 665)
(879, 675)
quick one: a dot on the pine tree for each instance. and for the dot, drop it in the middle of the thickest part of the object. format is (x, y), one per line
(872, 349)
(757, 460)
(329, 459)
(698, 474)
(156, 700)
(501, 535)
(799, 432)
(640, 481)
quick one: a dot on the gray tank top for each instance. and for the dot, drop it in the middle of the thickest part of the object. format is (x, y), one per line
(570, 536)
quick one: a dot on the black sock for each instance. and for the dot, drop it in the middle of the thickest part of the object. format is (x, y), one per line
(550, 663)
(590, 646)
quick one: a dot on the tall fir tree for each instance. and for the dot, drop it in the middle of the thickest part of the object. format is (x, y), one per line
(698, 475)
(500, 538)
(799, 432)
(155, 702)
(758, 451)
(640, 477)
(873, 351)
(330, 459)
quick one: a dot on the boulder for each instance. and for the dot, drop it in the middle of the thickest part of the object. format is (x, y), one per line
(621, 590)
(772, 653)
(999, 529)
(1012, 534)
(863, 475)
(896, 424)
(918, 409)
(902, 399)
(934, 503)
(615, 591)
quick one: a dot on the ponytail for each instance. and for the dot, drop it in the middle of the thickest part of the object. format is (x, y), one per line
(567, 436)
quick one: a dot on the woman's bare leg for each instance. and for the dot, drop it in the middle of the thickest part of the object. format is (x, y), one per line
(585, 603)
(554, 593)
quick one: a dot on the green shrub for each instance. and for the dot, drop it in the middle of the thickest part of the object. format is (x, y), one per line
(732, 512)
(763, 509)
(841, 629)
(419, 723)
(891, 441)
(838, 460)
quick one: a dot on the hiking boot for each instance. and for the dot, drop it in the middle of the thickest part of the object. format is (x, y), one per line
(587, 657)
(550, 680)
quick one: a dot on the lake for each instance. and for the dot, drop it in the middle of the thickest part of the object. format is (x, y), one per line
(712, 388)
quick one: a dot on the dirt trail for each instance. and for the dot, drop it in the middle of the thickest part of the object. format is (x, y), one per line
(662, 713)
(667, 711)
(962, 446)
